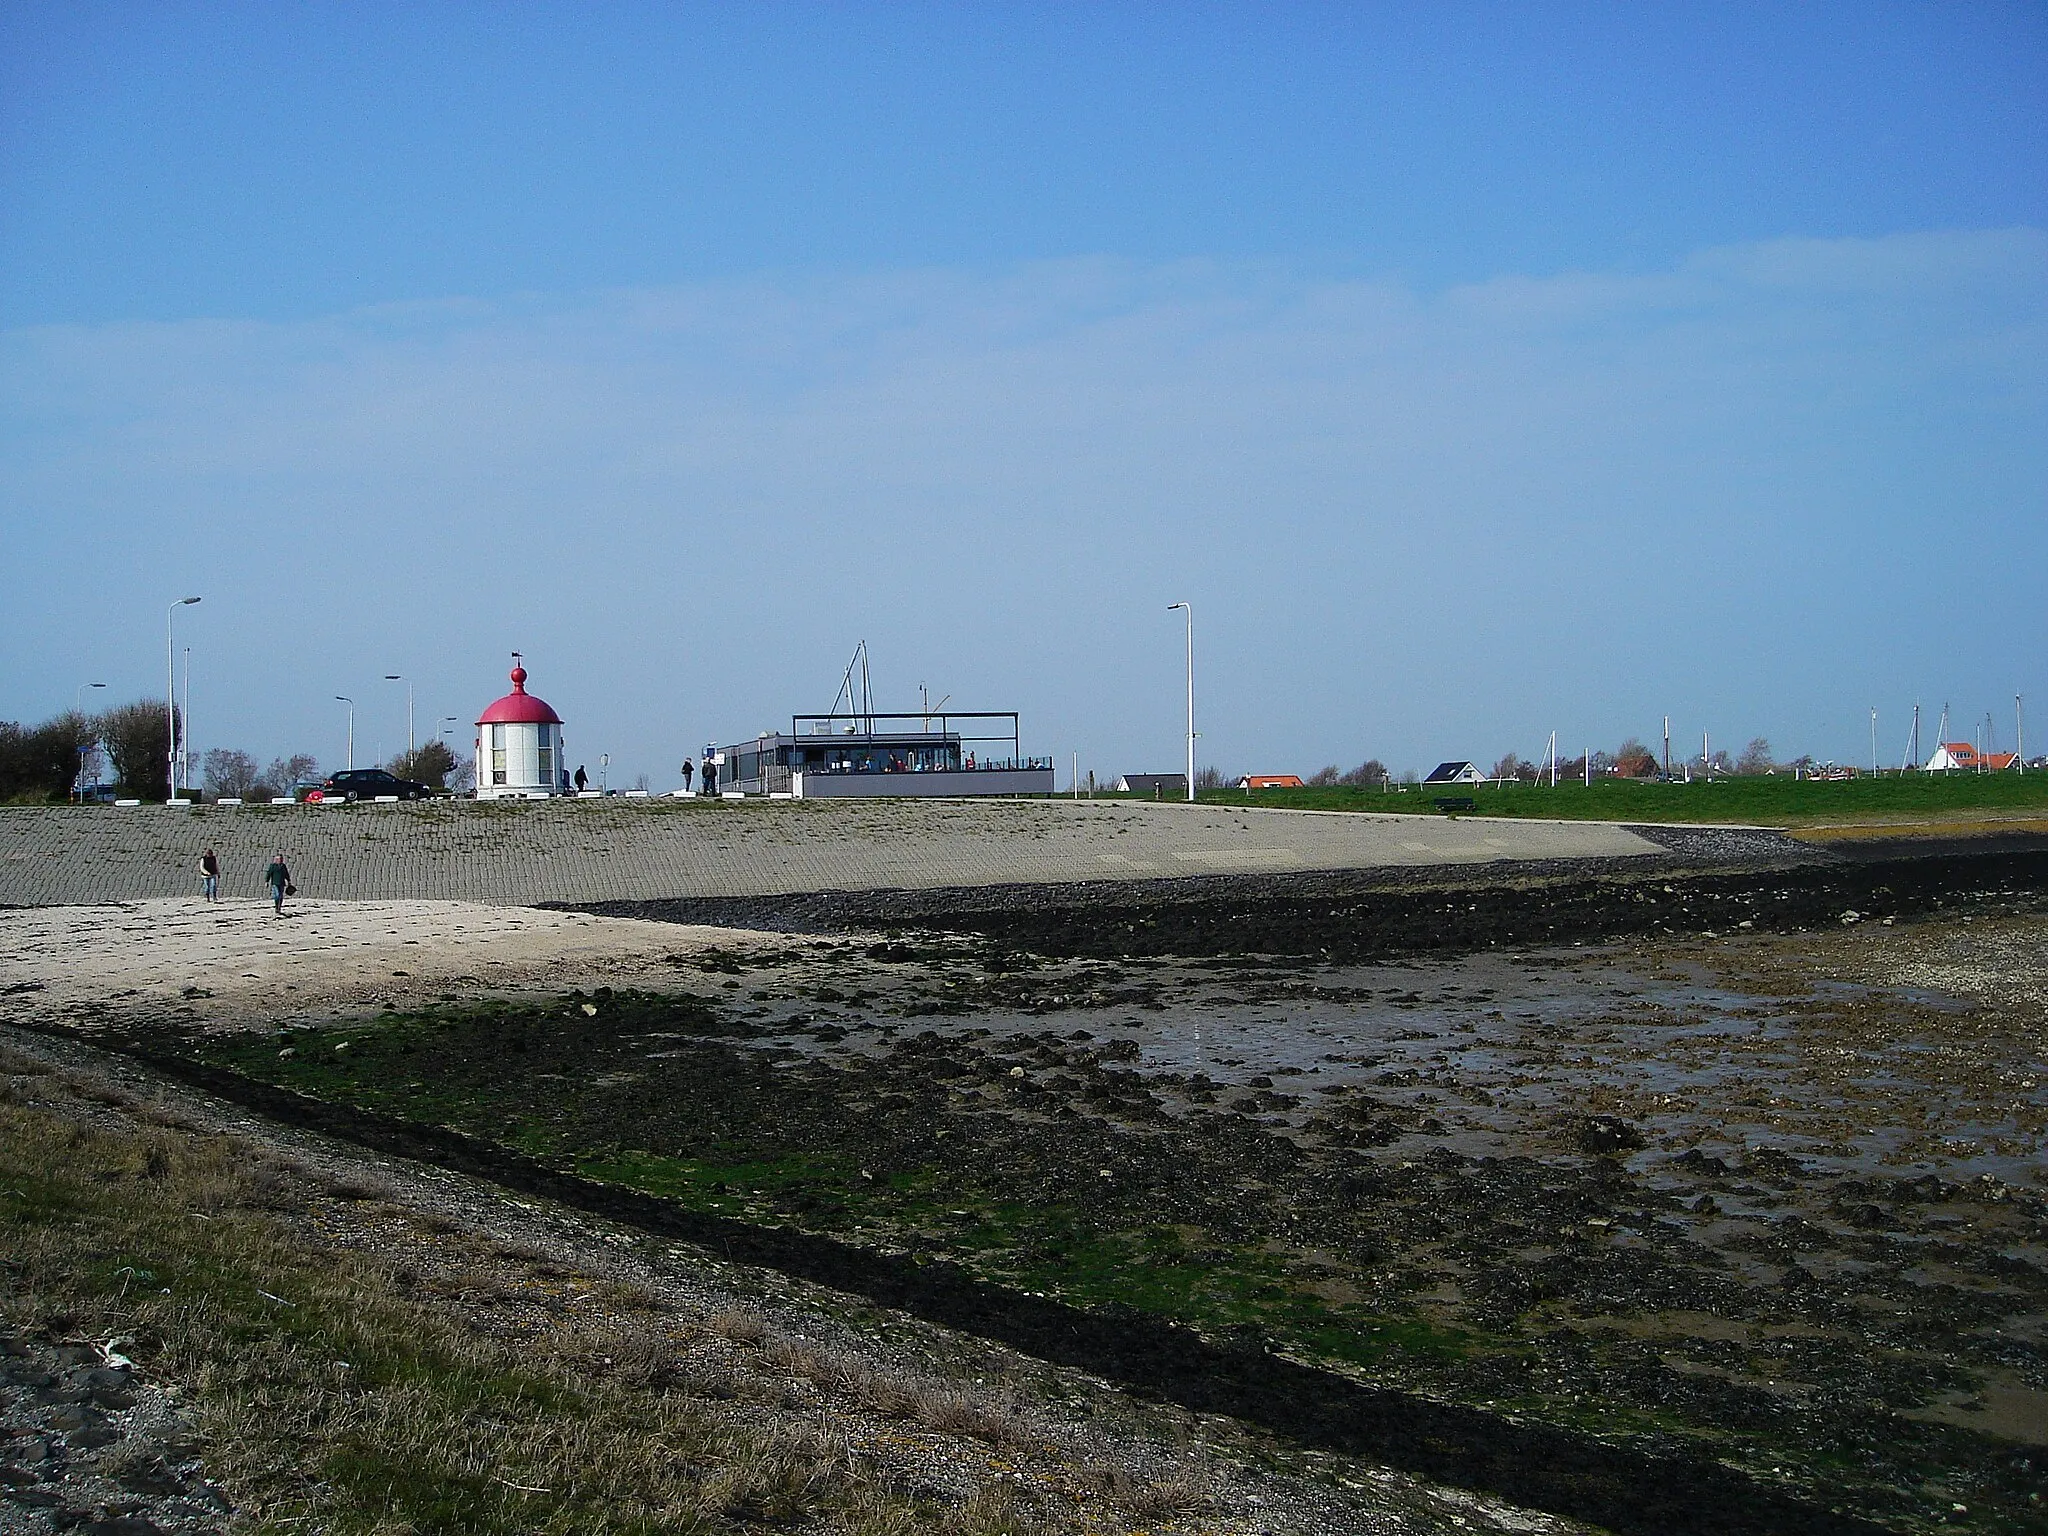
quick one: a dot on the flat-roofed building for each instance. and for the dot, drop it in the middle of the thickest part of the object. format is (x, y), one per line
(824, 757)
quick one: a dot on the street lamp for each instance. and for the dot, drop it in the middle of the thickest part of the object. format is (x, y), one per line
(1189, 609)
(171, 689)
(78, 708)
(393, 677)
(342, 698)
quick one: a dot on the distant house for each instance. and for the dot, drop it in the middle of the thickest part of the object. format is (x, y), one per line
(1455, 773)
(1270, 781)
(1961, 757)
(1152, 784)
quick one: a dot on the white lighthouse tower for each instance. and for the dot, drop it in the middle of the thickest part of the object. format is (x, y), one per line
(518, 746)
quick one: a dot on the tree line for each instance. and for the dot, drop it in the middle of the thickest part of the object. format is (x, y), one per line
(43, 763)
(1631, 760)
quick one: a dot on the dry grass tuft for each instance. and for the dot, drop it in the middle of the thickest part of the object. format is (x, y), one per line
(740, 1327)
(1150, 1498)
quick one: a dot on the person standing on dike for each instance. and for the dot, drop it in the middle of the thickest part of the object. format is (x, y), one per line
(278, 876)
(209, 875)
(689, 768)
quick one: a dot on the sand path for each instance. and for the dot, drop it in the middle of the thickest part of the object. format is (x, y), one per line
(235, 961)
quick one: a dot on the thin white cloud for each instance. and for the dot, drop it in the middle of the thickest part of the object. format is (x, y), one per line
(1336, 466)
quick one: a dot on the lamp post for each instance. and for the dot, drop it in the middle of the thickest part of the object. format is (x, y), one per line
(394, 677)
(342, 698)
(78, 708)
(1189, 610)
(171, 689)
(185, 716)
(2019, 725)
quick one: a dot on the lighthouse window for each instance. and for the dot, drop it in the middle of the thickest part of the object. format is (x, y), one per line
(497, 754)
(547, 759)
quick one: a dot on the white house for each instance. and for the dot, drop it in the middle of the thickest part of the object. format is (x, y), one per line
(1455, 773)
(1961, 757)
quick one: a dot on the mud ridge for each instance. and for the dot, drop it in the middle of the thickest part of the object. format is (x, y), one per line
(1626, 1490)
(1365, 916)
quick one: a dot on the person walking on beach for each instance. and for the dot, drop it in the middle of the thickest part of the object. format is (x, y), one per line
(209, 875)
(688, 769)
(279, 878)
(580, 779)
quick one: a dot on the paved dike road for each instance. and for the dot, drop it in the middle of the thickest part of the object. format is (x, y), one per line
(586, 851)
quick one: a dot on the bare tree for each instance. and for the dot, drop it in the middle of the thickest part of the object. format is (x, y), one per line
(1208, 778)
(1372, 773)
(230, 773)
(1756, 757)
(284, 772)
(1325, 776)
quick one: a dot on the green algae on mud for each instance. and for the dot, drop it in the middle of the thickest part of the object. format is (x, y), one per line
(1050, 1165)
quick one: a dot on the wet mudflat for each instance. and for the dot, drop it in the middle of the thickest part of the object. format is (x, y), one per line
(1771, 1199)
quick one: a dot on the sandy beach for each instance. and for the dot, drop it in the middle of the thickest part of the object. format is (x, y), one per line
(234, 961)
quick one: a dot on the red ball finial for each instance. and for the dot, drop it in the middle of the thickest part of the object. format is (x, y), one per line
(518, 675)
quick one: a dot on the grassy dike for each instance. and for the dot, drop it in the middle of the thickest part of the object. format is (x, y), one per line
(339, 1390)
(1769, 801)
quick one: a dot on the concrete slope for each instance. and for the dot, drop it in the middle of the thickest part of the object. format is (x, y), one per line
(625, 850)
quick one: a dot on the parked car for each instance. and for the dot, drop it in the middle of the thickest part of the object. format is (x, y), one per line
(368, 784)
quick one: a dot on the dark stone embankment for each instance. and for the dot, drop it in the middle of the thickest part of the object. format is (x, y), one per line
(1751, 881)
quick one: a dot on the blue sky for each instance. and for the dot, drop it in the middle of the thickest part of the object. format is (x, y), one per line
(1476, 371)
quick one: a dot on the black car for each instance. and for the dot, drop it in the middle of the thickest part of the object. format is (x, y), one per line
(368, 784)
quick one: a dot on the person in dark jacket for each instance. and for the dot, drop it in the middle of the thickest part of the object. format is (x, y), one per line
(209, 875)
(580, 779)
(278, 876)
(689, 768)
(710, 775)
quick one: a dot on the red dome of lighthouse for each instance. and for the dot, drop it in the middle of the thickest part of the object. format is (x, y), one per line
(519, 707)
